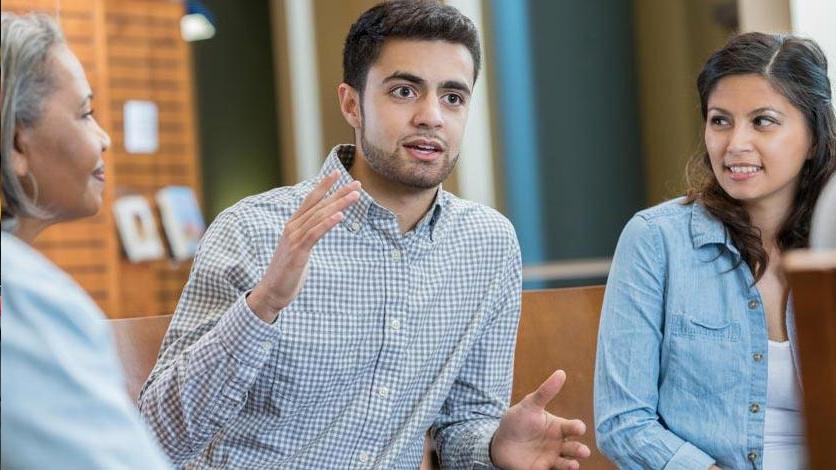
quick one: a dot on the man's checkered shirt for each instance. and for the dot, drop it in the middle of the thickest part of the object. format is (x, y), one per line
(391, 335)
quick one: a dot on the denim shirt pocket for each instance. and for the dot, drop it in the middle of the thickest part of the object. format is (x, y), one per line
(703, 354)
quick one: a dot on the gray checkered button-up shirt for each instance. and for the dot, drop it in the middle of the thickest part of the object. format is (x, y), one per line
(391, 335)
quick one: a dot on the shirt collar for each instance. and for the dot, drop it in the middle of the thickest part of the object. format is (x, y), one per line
(341, 158)
(707, 229)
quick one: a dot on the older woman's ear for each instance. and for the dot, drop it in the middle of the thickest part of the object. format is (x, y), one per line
(20, 163)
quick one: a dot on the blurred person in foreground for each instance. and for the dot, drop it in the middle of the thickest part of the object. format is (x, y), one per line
(326, 325)
(823, 229)
(64, 403)
(697, 356)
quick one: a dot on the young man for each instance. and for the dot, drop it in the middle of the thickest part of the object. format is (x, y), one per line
(329, 326)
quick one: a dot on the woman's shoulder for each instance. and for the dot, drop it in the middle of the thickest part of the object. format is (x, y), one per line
(23, 265)
(674, 223)
(668, 211)
(30, 281)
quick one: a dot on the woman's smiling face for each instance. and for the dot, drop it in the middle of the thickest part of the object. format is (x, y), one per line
(756, 139)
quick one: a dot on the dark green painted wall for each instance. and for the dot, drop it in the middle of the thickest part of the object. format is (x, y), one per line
(588, 123)
(236, 105)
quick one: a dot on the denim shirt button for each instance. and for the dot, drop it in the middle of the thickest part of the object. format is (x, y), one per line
(757, 357)
(752, 456)
(753, 304)
(754, 408)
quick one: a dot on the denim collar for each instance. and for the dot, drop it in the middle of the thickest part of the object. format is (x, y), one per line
(708, 230)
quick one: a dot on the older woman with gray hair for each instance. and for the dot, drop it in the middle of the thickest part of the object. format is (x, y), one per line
(64, 401)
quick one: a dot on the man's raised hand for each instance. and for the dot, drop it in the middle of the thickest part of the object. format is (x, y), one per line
(286, 273)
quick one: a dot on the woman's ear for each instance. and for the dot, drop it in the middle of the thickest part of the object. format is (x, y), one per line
(20, 150)
(350, 105)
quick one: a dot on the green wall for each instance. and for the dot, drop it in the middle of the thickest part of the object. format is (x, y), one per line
(590, 162)
(236, 105)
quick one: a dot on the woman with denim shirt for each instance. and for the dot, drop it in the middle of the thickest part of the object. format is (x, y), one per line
(696, 364)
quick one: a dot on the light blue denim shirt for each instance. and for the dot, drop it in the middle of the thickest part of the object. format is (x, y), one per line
(680, 380)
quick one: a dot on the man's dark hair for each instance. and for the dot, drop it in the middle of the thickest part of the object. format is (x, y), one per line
(427, 20)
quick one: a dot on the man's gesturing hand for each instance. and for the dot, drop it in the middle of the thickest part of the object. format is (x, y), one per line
(529, 437)
(287, 270)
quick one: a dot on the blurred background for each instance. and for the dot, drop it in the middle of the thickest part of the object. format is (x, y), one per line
(586, 113)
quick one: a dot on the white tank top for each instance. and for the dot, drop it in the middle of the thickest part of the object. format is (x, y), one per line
(783, 436)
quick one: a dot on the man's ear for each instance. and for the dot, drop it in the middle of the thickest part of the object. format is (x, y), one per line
(20, 150)
(350, 105)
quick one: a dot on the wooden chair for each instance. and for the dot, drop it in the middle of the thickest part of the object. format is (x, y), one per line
(559, 330)
(138, 343)
(812, 278)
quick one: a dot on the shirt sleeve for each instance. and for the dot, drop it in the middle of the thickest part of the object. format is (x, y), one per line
(480, 394)
(630, 335)
(214, 349)
(64, 399)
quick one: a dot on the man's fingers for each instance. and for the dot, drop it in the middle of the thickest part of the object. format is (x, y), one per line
(572, 428)
(547, 390)
(327, 211)
(302, 218)
(318, 191)
(315, 233)
(574, 450)
(566, 464)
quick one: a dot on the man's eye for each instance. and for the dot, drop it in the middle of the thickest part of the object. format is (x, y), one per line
(403, 92)
(454, 99)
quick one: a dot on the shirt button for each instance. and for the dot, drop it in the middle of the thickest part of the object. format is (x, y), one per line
(754, 408)
(752, 456)
(757, 357)
(364, 457)
(753, 304)
(355, 226)
(265, 346)
(396, 255)
(383, 392)
(395, 324)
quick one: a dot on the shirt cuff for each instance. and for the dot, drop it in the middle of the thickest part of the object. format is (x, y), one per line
(246, 336)
(482, 449)
(689, 457)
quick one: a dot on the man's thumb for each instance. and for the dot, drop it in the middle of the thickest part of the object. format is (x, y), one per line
(547, 390)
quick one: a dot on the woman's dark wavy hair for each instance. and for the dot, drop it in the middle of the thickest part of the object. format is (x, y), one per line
(796, 68)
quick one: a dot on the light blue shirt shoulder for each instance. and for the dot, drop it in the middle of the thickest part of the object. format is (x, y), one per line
(64, 401)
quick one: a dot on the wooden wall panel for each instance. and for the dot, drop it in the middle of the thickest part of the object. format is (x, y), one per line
(149, 61)
(130, 50)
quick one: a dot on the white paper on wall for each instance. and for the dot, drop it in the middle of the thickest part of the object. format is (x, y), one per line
(142, 125)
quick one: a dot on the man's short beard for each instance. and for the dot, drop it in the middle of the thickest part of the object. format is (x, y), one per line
(393, 168)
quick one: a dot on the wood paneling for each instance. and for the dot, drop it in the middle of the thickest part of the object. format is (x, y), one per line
(812, 278)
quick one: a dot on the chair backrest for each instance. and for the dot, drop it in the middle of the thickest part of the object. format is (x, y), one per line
(138, 343)
(559, 330)
(812, 278)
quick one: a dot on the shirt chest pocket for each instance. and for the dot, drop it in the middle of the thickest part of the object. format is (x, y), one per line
(315, 354)
(704, 354)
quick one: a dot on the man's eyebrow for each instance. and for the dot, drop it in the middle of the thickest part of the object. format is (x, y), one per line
(455, 85)
(410, 77)
(405, 76)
